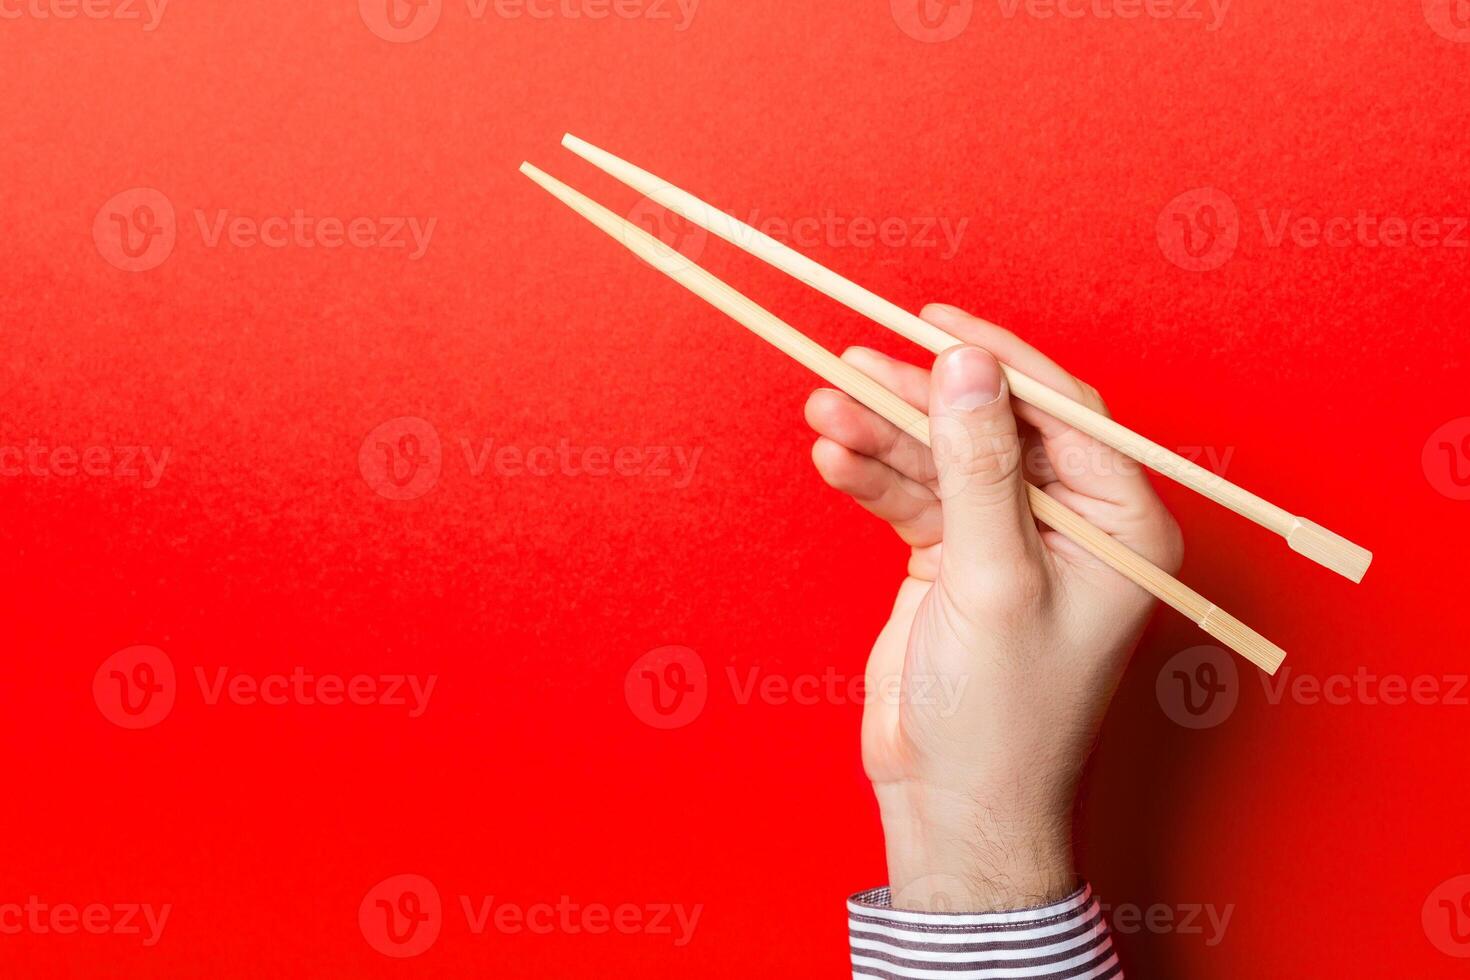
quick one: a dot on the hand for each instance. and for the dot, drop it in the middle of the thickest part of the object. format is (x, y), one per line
(1006, 640)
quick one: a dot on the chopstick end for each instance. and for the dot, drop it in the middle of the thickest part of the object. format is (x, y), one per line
(1243, 640)
(1329, 550)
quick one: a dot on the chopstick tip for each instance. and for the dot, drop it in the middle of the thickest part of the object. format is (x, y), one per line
(542, 179)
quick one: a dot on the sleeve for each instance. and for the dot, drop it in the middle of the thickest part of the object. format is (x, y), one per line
(1068, 939)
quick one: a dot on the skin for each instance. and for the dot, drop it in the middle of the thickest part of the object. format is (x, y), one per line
(977, 791)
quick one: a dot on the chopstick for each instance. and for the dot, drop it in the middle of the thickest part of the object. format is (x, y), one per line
(838, 373)
(1306, 538)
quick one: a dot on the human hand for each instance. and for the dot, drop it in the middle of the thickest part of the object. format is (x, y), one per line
(1023, 632)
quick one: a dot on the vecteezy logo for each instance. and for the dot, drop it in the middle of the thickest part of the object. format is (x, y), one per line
(135, 687)
(1450, 19)
(401, 459)
(932, 21)
(682, 241)
(400, 21)
(1446, 459)
(401, 916)
(1446, 917)
(667, 688)
(1198, 687)
(136, 230)
(1199, 230)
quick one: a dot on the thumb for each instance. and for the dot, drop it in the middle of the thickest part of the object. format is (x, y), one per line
(987, 519)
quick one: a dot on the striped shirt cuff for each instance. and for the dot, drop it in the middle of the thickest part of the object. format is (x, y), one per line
(1068, 939)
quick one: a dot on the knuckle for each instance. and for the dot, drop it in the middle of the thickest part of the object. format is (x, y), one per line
(1092, 398)
(1156, 534)
(985, 459)
(1003, 599)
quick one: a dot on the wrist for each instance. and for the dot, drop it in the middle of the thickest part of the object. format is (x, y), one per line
(957, 852)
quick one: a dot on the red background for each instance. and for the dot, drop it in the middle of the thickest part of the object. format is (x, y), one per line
(1323, 371)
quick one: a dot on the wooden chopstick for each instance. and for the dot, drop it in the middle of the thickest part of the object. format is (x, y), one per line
(1312, 540)
(838, 373)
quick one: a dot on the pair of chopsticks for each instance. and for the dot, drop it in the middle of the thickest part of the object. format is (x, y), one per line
(1302, 535)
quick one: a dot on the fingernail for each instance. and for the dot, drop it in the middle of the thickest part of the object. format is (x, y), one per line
(944, 313)
(969, 378)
